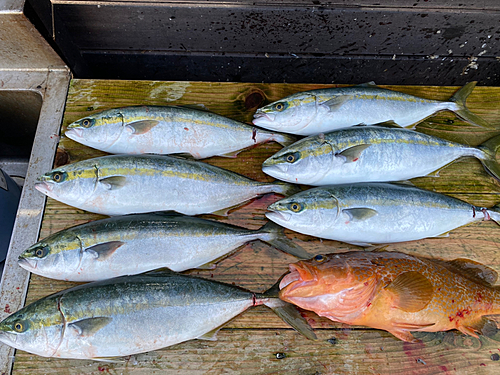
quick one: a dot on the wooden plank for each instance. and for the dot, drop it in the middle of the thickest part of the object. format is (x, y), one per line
(257, 266)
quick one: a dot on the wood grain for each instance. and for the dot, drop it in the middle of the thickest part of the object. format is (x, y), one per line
(249, 344)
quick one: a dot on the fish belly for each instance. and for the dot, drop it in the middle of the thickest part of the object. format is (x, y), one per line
(136, 331)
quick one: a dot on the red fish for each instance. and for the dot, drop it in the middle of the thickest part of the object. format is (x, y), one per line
(395, 292)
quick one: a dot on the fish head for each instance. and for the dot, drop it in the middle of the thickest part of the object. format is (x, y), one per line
(99, 130)
(305, 211)
(305, 162)
(289, 115)
(72, 184)
(36, 328)
(325, 282)
(54, 257)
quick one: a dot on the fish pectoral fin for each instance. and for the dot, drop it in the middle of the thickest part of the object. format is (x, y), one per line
(211, 335)
(336, 102)
(411, 291)
(87, 327)
(483, 325)
(114, 182)
(352, 154)
(475, 270)
(104, 250)
(141, 127)
(359, 214)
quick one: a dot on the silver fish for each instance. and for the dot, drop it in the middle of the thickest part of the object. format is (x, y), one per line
(168, 130)
(372, 153)
(134, 314)
(375, 213)
(132, 244)
(324, 110)
(124, 184)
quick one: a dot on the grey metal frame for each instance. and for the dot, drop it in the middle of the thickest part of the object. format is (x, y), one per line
(27, 62)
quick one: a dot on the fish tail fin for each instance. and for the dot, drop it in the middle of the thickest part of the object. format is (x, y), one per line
(459, 98)
(286, 311)
(490, 149)
(275, 236)
(285, 188)
(284, 139)
(494, 213)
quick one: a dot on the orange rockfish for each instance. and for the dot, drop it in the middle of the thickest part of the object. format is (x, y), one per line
(395, 292)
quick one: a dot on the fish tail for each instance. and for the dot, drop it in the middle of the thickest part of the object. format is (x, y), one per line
(459, 98)
(275, 236)
(285, 188)
(490, 149)
(286, 311)
(284, 139)
(494, 213)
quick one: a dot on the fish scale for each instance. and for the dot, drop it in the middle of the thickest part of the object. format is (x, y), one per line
(372, 153)
(410, 294)
(134, 314)
(124, 184)
(168, 130)
(375, 213)
(324, 110)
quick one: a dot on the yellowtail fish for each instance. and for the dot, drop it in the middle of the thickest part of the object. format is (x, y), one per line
(324, 110)
(125, 184)
(168, 130)
(375, 213)
(372, 153)
(396, 292)
(132, 244)
(134, 314)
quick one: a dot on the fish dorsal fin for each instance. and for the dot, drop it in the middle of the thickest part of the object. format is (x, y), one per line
(141, 127)
(359, 214)
(475, 270)
(388, 124)
(367, 84)
(352, 154)
(87, 327)
(197, 106)
(104, 250)
(336, 102)
(411, 291)
(113, 182)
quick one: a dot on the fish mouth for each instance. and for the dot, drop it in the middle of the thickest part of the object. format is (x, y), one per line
(278, 216)
(263, 117)
(74, 133)
(300, 275)
(27, 264)
(293, 276)
(43, 187)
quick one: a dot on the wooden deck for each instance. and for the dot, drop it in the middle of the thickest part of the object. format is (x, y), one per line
(257, 341)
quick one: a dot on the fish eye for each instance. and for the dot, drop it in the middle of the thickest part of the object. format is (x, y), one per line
(87, 123)
(58, 176)
(291, 158)
(280, 106)
(41, 252)
(319, 258)
(20, 326)
(295, 207)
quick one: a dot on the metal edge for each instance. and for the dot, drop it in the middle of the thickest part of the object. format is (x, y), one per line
(53, 86)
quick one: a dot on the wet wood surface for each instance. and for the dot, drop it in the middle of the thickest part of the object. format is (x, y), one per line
(257, 341)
